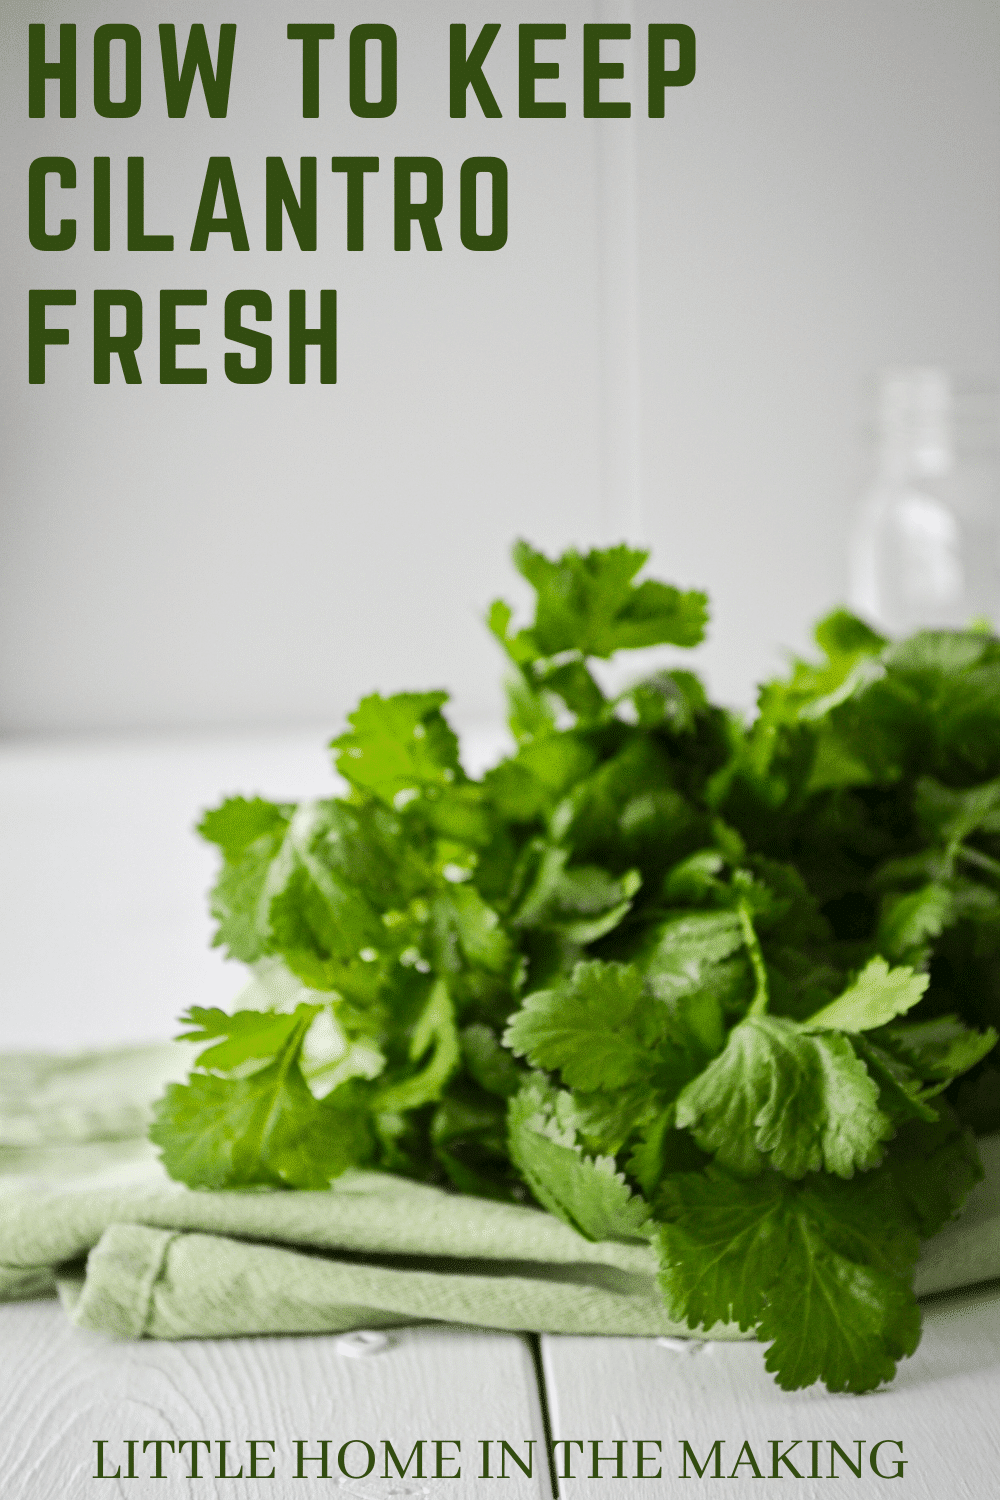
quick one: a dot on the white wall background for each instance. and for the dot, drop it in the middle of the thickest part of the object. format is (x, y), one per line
(824, 198)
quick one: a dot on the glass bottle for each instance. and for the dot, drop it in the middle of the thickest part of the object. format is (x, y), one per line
(926, 543)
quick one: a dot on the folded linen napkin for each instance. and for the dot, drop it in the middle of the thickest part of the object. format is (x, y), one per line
(86, 1211)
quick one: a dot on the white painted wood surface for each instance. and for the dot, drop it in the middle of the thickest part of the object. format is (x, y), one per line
(61, 1388)
(944, 1407)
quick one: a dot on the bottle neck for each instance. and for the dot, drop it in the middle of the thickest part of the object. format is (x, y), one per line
(916, 437)
(927, 426)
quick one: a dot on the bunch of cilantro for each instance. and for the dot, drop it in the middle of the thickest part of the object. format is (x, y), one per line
(728, 990)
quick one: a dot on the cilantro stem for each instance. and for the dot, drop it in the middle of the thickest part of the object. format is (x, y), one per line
(981, 861)
(292, 1048)
(758, 1005)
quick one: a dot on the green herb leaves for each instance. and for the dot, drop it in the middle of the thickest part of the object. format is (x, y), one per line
(586, 1193)
(820, 1268)
(803, 1101)
(878, 995)
(796, 1093)
(261, 1126)
(598, 1030)
(685, 981)
(398, 747)
(821, 1275)
(589, 603)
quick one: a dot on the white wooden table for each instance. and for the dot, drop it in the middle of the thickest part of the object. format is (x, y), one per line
(105, 941)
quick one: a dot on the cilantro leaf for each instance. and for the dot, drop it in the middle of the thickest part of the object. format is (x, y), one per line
(836, 1321)
(398, 747)
(598, 1030)
(803, 1101)
(696, 878)
(933, 1166)
(238, 822)
(678, 954)
(530, 784)
(588, 603)
(266, 1128)
(253, 838)
(901, 1094)
(626, 813)
(824, 1284)
(583, 902)
(716, 1239)
(586, 1193)
(695, 965)
(842, 636)
(876, 996)
(468, 928)
(940, 1048)
(316, 916)
(671, 700)
(606, 1120)
(951, 815)
(909, 921)
(930, 656)
(247, 1035)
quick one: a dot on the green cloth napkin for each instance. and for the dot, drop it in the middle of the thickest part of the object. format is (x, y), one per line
(86, 1211)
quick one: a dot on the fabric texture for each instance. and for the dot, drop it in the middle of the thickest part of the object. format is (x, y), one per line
(87, 1212)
